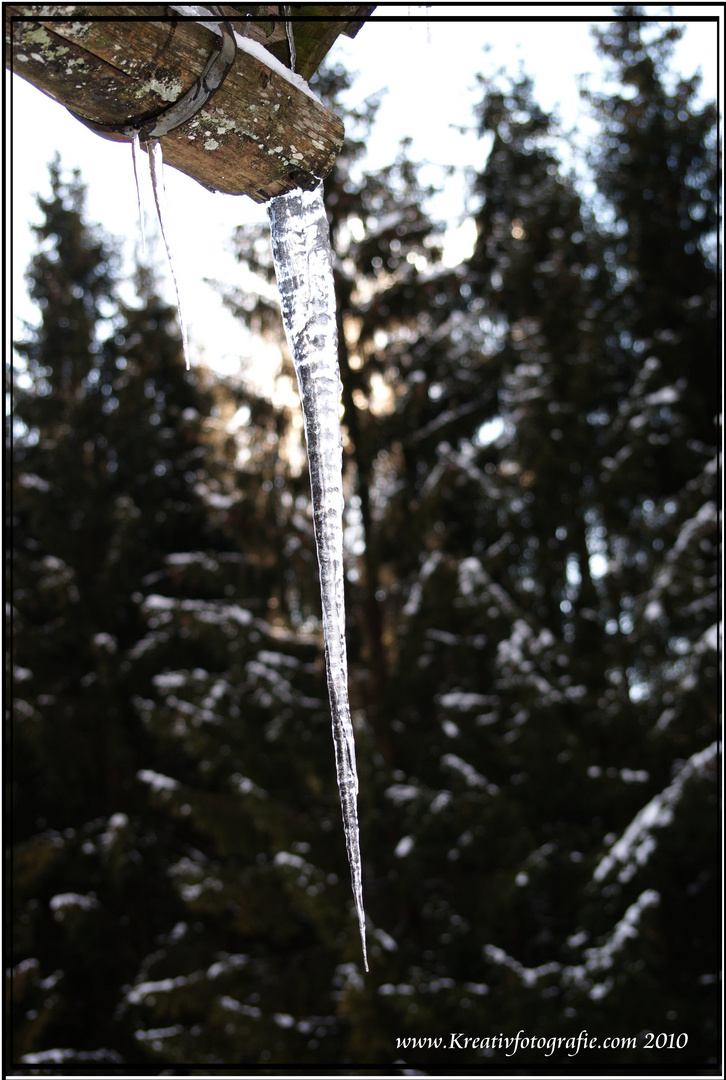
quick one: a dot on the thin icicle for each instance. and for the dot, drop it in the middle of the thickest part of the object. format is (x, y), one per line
(135, 151)
(156, 162)
(304, 269)
(290, 37)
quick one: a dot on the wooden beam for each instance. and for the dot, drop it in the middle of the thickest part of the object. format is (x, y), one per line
(260, 135)
(316, 28)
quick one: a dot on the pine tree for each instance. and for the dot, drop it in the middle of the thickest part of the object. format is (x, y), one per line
(108, 452)
(658, 169)
(592, 673)
(503, 738)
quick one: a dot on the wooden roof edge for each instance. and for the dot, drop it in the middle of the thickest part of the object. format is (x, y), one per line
(365, 10)
(260, 135)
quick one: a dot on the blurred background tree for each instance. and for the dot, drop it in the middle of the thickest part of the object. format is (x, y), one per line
(530, 454)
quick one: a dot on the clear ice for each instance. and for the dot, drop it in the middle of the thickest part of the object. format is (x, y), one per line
(135, 151)
(156, 162)
(304, 270)
(290, 38)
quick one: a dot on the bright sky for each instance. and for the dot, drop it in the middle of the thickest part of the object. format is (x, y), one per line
(428, 68)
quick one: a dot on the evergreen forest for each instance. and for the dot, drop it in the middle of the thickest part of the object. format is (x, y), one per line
(531, 456)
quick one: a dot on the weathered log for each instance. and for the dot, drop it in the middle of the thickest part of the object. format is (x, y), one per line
(260, 135)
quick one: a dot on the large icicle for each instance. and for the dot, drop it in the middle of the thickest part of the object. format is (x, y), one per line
(304, 269)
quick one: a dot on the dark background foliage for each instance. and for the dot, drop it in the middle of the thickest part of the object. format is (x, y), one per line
(530, 459)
